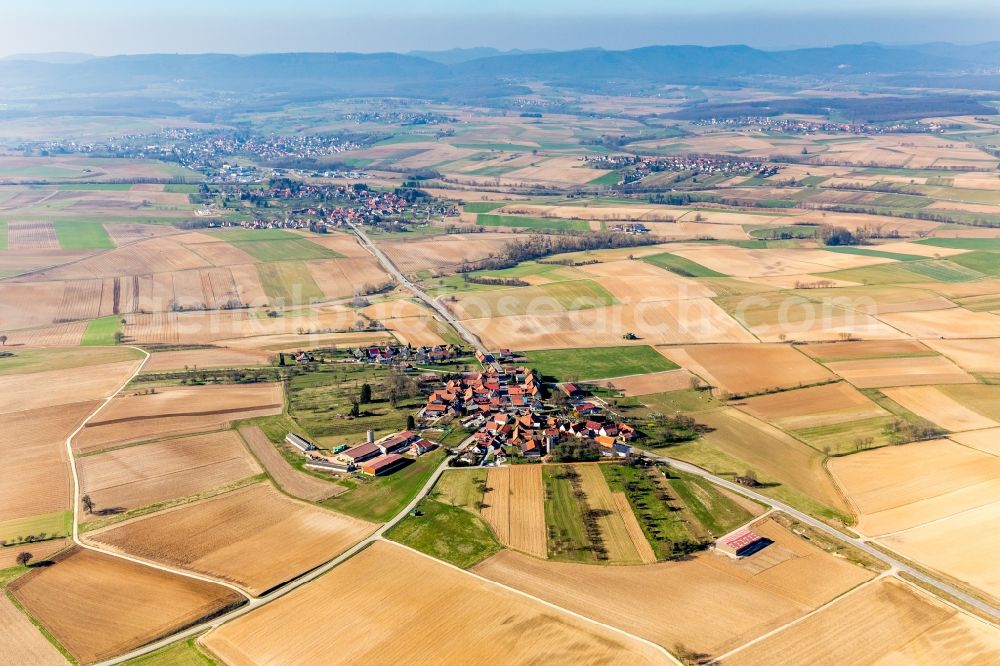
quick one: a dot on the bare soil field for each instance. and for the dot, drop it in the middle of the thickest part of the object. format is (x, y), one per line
(714, 603)
(953, 323)
(981, 355)
(427, 612)
(900, 487)
(34, 478)
(63, 335)
(637, 281)
(205, 358)
(26, 261)
(338, 278)
(254, 537)
(344, 243)
(987, 441)
(617, 537)
(742, 262)
(813, 406)
(939, 408)
(162, 254)
(514, 508)
(656, 323)
(962, 545)
(27, 305)
(127, 232)
(289, 479)
(59, 387)
(99, 606)
(32, 236)
(900, 371)
(863, 349)
(748, 368)
(887, 622)
(654, 382)
(173, 411)
(40, 551)
(138, 476)
(21, 643)
(443, 252)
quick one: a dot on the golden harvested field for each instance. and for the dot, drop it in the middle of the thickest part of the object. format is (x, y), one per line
(515, 509)
(338, 278)
(987, 441)
(659, 322)
(21, 643)
(205, 358)
(634, 529)
(953, 323)
(862, 349)
(654, 382)
(973, 355)
(254, 537)
(614, 529)
(713, 602)
(887, 622)
(98, 606)
(813, 406)
(138, 476)
(34, 476)
(174, 411)
(424, 612)
(774, 454)
(937, 407)
(748, 368)
(59, 387)
(900, 487)
(289, 479)
(901, 371)
(963, 546)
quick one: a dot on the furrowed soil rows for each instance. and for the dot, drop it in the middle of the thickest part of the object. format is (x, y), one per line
(515, 507)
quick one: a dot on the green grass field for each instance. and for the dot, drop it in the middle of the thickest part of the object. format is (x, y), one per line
(717, 513)
(381, 498)
(82, 235)
(177, 188)
(579, 294)
(680, 265)
(483, 206)
(985, 244)
(462, 487)
(664, 521)
(292, 249)
(182, 653)
(520, 221)
(607, 179)
(447, 533)
(839, 438)
(51, 524)
(938, 270)
(563, 519)
(3, 234)
(779, 233)
(987, 263)
(102, 331)
(27, 361)
(598, 362)
(289, 282)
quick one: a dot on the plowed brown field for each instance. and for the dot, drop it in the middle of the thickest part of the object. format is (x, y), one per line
(424, 612)
(98, 606)
(515, 507)
(254, 537)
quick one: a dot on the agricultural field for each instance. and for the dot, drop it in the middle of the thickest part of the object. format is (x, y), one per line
(128, 478)
(435, 611)
(513, 504)
(748, 369)
(240, 537)
(97, 606)
(887, 621)
(597, 362)
(152, 413)
(714, 603)
(292, 481)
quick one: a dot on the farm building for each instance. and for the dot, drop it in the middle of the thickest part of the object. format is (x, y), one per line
(328, 465)
(422, 446)
(299, 442)
(362, 452)
(398, 442)
(383, 465)
(741, 543)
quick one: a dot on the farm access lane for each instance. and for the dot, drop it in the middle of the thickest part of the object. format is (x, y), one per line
(896, 566)
(292, 585)
(435, 304)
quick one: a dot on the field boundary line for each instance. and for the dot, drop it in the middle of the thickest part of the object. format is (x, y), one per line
(798, 620)
(75, 535)
(936, 520)
(659, 648)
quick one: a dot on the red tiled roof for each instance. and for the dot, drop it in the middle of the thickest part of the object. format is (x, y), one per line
(741, 539)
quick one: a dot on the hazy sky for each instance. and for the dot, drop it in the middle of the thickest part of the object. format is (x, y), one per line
(105, 27)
